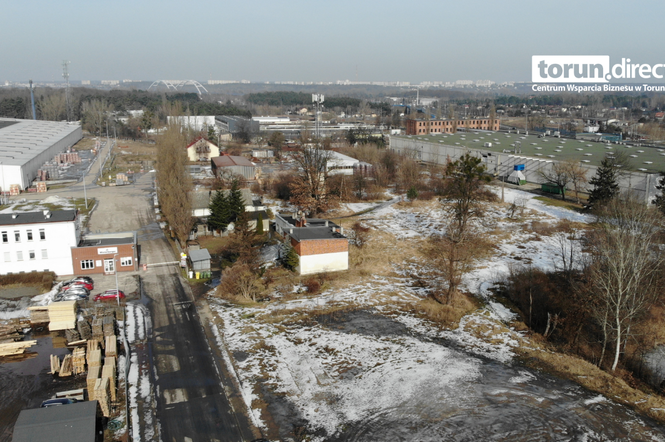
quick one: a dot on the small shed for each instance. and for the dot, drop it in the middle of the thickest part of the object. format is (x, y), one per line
(65, 423)
(200, 260)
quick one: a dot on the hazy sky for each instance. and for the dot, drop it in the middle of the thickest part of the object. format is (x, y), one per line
(316, 40)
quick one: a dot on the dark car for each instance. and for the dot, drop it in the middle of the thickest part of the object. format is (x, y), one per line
(57, 402)
(78, 290)
(70, 296)
(74, 283)
(110, 294)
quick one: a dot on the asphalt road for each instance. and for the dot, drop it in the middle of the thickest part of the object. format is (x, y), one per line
(190, 382)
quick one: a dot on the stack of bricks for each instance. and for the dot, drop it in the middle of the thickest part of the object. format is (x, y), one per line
(72, 158)
(14, 189)
(41, 186)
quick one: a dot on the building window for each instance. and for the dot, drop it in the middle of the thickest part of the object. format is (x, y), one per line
(31, 254)
(5, 238)
(42, 234)
(127, 261)
(8, 257)
(44, 254)
(87, 264)
(29, 235)
(19, 256)
(17, 236)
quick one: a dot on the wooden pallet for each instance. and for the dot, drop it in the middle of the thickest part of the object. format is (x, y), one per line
(67, 367)
(111, 347)
(78, 360)
(108, 371)
(55, 364)
(93, 375)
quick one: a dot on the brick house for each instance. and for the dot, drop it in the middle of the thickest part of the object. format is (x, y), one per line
(106, 253)
(320, 244)
(424, 127)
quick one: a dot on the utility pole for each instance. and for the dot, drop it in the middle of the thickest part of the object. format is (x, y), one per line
(318, 99)
(32, 100)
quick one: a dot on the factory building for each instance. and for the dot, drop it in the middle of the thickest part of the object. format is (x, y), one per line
(25, 145)
(426, 127)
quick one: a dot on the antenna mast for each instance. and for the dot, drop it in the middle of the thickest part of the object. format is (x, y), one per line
(65, 75)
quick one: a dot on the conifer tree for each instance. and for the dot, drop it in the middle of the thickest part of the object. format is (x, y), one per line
(219, 211)
(235, 201)
(605, 185)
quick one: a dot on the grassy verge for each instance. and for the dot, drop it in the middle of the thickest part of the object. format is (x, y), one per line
(559, 203)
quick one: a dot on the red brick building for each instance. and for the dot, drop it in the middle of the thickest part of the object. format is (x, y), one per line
(425, 127)
(106, 254)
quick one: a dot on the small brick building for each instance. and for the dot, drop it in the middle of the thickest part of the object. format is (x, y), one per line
(106, 253)
(320, 244)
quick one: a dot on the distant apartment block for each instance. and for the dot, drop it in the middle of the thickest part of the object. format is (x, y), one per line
(424, 127)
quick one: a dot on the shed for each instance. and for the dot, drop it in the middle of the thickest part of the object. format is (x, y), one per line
(235, 165)
(65, 423)
(200, 260)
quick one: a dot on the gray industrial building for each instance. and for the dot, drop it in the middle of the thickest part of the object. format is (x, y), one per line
(501, 160)
(25, 145)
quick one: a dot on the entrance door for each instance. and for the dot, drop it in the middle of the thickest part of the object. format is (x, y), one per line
(109, 266)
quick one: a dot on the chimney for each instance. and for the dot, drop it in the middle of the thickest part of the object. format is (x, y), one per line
(291, 231)
(47, 214)
(326, 223)
(14, 215)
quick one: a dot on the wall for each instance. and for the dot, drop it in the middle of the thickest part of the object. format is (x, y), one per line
(60, 238)
(328, 262)
(79, 254)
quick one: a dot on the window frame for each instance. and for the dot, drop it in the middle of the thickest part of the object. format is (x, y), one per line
(124, 261)
(42, 234)
(87, 264)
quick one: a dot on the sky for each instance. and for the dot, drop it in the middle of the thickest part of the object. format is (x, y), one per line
(313, 40)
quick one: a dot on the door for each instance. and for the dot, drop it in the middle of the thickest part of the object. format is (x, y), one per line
(109, 266)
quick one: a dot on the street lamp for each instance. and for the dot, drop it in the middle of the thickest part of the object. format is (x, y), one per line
(115, 269)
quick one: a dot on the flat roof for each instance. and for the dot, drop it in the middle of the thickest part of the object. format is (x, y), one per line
(8, 219)
(22, 140)
(105, 242)
(65, 423)
(644, 159)
(314, 229)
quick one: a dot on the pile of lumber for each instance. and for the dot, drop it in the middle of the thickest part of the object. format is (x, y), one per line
(72, 335)
(102, 395)
(111, 346)
(108, 325)
(108, 372)
(98, 329)
(93, 375)
(67, 367)
(38, 315)
(84, 329)
(55, 364)
(62, 315)
(10, 332)
(78, 360)
(15, 348)
(95, 358)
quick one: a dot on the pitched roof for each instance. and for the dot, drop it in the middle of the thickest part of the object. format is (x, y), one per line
(8, 219)
(199, 255)
(231, 160)
(197, 139)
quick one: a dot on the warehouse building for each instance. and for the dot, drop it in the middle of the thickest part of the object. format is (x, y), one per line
(25, 145)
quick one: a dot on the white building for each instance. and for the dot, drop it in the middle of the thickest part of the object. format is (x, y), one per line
(38, 241)
(25, 145)
(340, 164)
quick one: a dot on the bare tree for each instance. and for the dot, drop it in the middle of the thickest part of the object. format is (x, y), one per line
(53, 107)
(94, 114)
(174, 181)
(309, 191)
(577, 175)
(556, 176)
(625, 267)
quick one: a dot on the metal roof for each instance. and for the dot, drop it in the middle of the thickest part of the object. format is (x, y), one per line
(8, 219)
(230, 160)
(199, 255)
(65, 423)
(22, 140)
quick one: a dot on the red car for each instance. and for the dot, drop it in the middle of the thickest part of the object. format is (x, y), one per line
(110, 294)
(74, 283)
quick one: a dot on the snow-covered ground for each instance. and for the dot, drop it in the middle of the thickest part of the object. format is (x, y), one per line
(370, 371)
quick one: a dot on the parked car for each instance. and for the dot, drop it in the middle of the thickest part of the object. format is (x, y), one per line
(110, 294)
(57, 402)
(70, 296)
(78, 289)
(75, 283)
(84, 279)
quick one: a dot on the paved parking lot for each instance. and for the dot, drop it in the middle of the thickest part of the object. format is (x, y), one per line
(128, 282)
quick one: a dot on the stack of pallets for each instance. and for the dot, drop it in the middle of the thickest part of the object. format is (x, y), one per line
(102, 395)
(38, 315)
(55, 364)
(84, 329)
(98, 329)
(67, 367)
(10, 333)
(78, 360)
(93, 375)
(108, 372)
(111, 347)
(62, 315)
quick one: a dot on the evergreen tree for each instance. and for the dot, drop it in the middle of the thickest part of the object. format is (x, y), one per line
(220, 214)
(291, 260)
(660, 199)
(605, 185)
(235, 201)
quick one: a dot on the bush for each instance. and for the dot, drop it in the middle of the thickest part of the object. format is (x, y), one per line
(313, 286)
